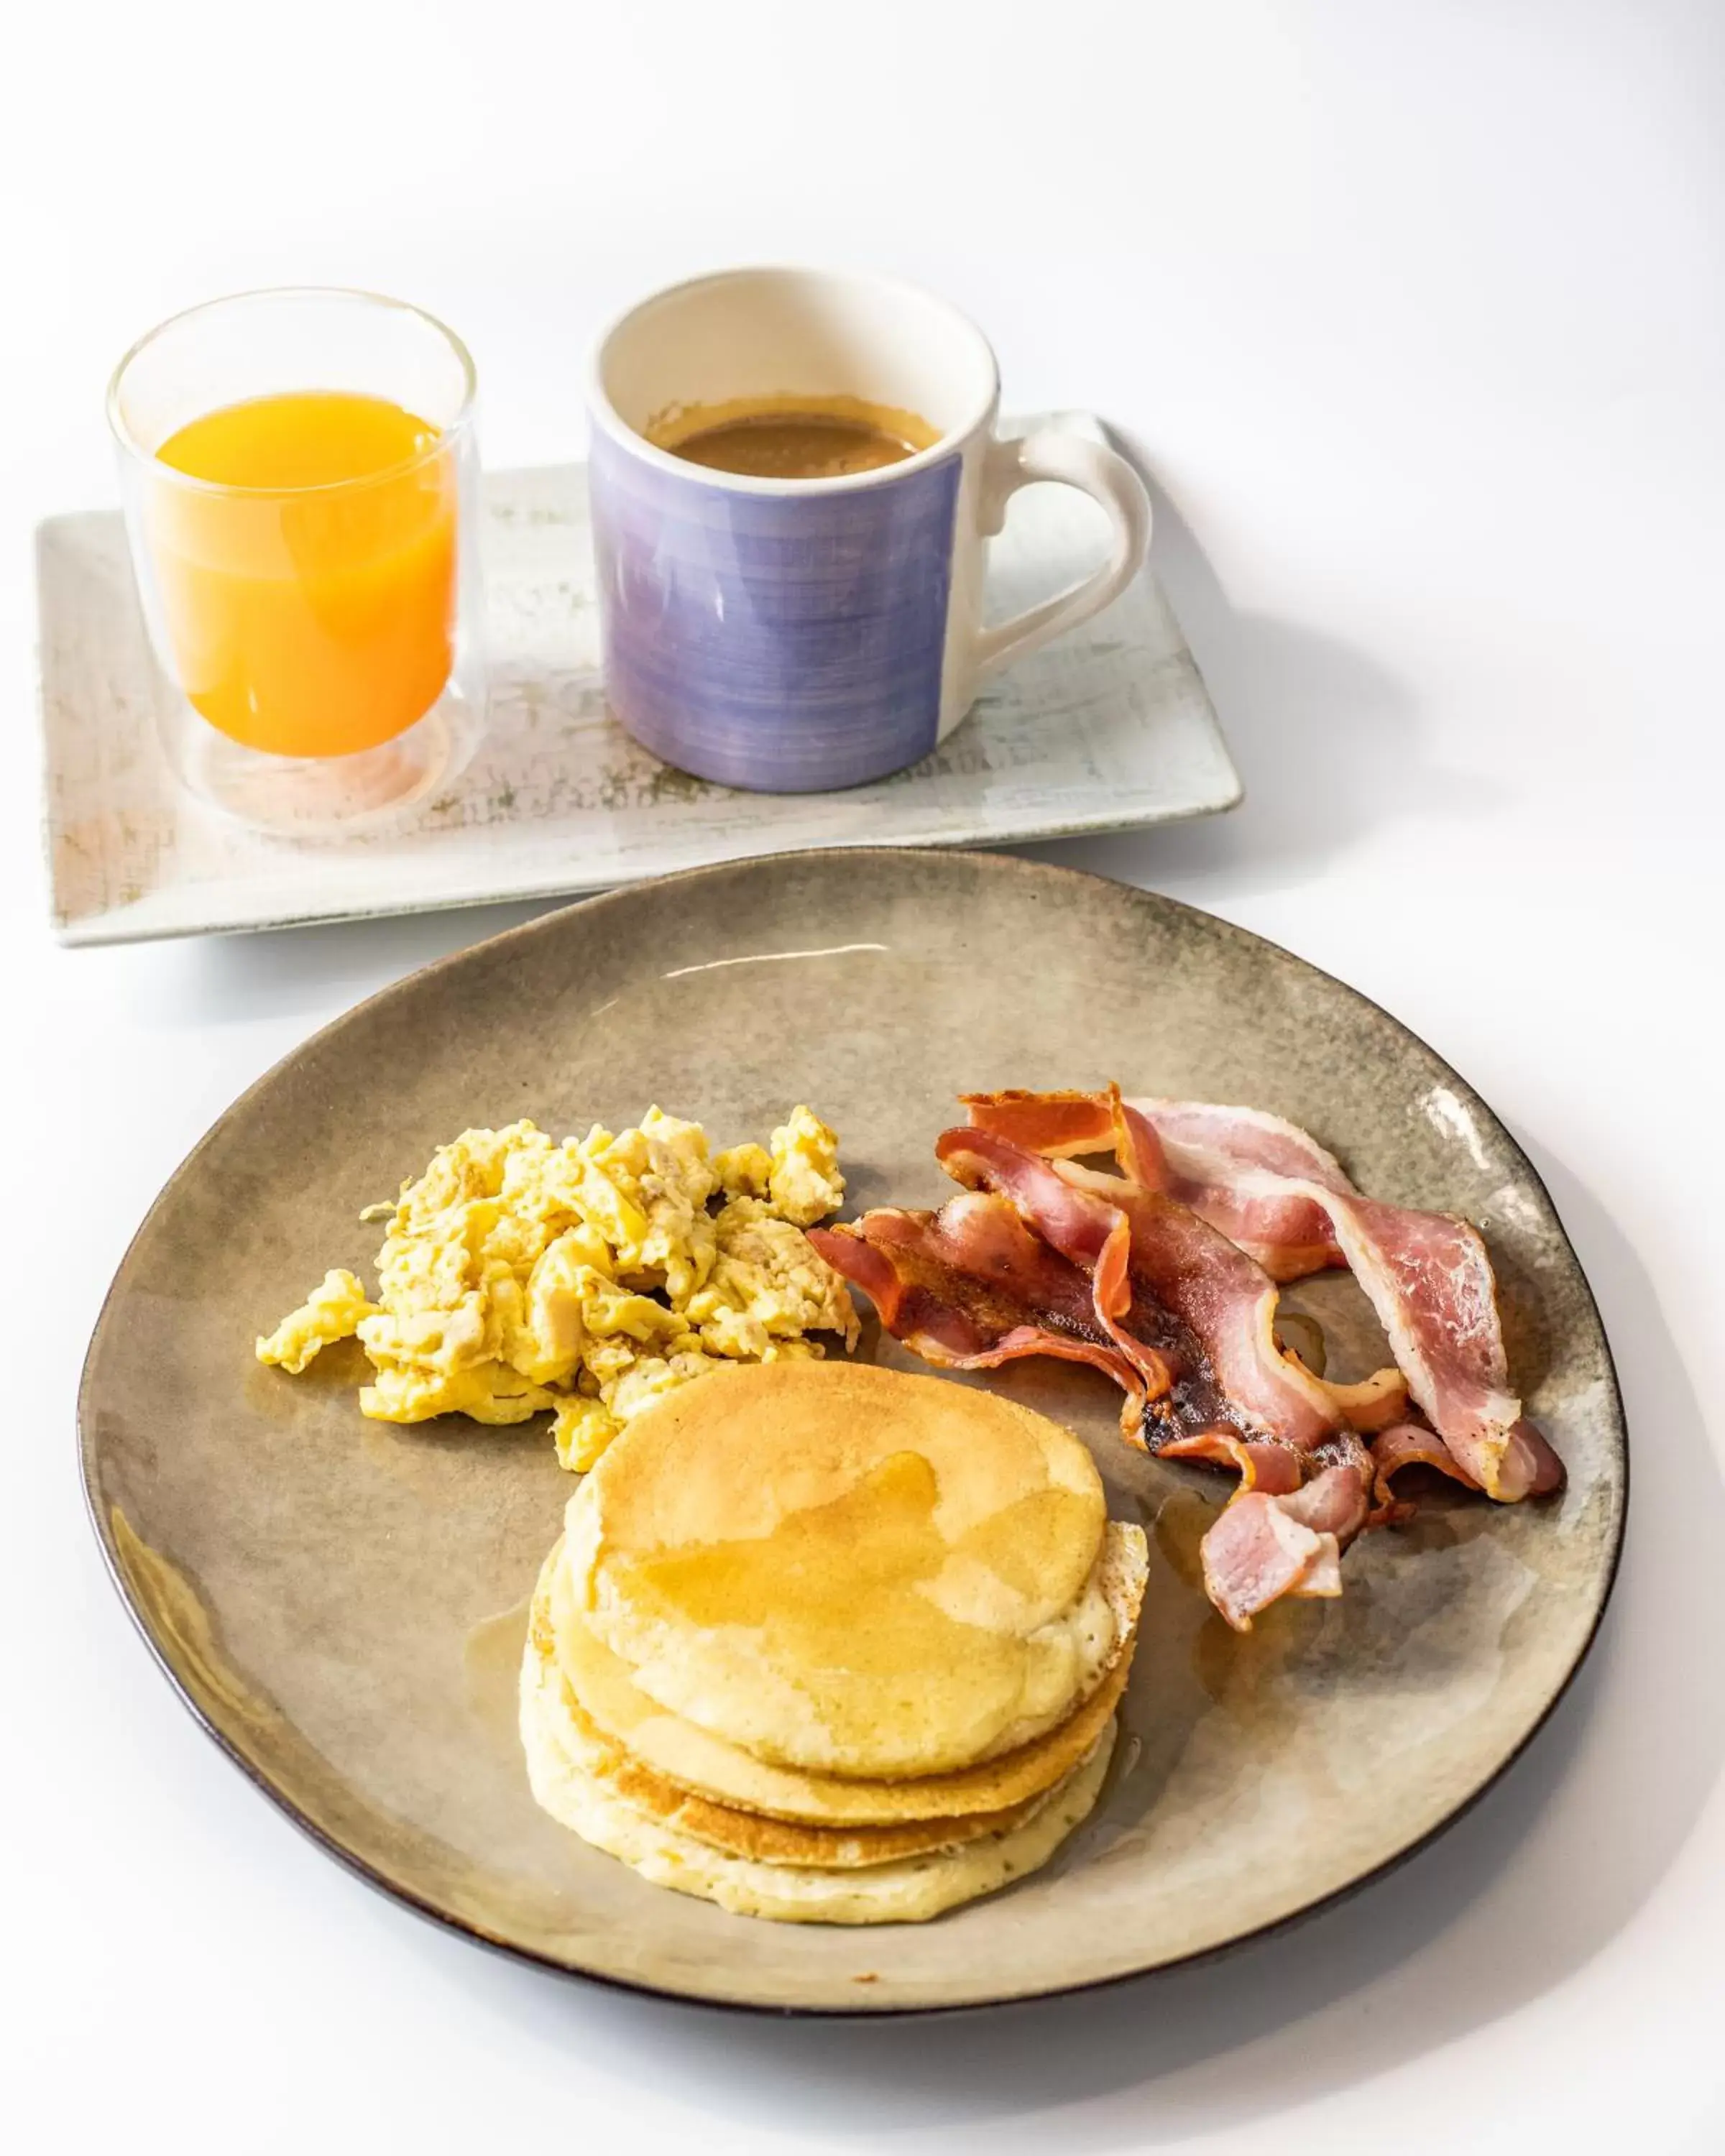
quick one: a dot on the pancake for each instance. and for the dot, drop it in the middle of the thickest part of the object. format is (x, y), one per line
(738, 1833)
(907, 1891)
(693, 1761)
(846, 1570)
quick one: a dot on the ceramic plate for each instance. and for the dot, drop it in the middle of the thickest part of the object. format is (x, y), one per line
(343, 1603)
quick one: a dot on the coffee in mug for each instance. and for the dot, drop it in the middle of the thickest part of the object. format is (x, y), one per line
(787, 437)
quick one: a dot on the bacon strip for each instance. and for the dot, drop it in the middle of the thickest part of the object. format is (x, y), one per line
(970, 1287)
(1250, 1174)
(1264, 1547)
(1427, 1274)
(1223, 1298)
(1410, 1445)
(1431, 1283)
(1282, 1533)
(1262, 1464)
(1233, 1167)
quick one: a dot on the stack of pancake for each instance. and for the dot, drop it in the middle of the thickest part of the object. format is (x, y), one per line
(830, 1643)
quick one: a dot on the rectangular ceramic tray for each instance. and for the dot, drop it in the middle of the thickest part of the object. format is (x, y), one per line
(1108, 728)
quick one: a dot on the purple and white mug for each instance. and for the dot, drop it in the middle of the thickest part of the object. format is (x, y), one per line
(794, 635)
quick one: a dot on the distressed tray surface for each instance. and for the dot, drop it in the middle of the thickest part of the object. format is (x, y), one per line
(1109, 728)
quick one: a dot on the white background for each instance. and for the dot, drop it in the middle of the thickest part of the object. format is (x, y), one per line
(1418, 312)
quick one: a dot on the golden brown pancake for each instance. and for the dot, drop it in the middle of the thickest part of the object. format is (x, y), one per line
(907, 1890)
(691, 1759)
(752, 1834)
(845, 1570)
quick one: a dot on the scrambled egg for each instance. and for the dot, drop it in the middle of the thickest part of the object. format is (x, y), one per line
(519, 1276)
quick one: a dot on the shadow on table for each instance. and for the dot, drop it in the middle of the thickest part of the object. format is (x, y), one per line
(1328, 744)
(1532, 1884)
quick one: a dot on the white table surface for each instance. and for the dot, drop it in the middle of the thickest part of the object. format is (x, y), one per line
(1417, 314)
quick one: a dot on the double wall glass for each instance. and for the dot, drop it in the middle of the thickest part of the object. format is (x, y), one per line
(301, 484)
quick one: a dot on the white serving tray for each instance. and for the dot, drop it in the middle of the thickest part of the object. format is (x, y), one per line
(1108, 728)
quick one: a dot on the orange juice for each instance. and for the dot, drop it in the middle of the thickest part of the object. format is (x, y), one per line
(308, 582)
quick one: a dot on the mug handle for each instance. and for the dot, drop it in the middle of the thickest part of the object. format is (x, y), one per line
(1105, 476)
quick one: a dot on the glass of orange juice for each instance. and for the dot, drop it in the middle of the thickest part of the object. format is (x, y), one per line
(301, 472)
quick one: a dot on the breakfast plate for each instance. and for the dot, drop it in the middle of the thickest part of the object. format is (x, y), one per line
(343, 1604)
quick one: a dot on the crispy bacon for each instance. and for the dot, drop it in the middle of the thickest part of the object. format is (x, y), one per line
(1221, 1298)
(1262, 1463)
(1284, 1528)
(1233, 1167)
(970, 1287)
(1249, 1174)
(1264, 1547)
(1431, 1283)
(1262, 1412)
(1411, 1444)
(1304, 1479)
(1427, 1274)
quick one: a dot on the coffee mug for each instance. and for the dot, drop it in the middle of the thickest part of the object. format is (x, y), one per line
(796, 635)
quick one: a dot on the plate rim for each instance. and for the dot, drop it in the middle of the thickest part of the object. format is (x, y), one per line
(407, 1898)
